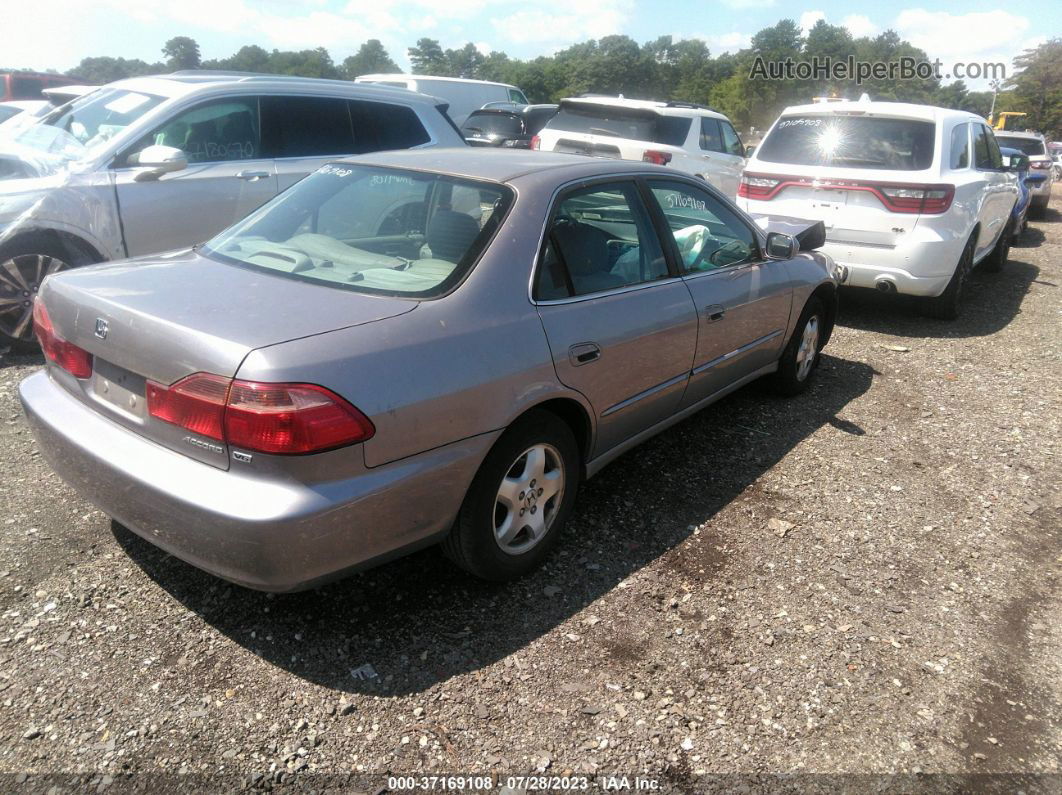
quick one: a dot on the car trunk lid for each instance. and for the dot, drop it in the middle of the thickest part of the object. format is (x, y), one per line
(164, 318)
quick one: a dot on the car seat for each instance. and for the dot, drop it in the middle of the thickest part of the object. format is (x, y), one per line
(584, 249)
(450, 234)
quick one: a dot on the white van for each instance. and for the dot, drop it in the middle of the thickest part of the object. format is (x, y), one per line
(463, 96)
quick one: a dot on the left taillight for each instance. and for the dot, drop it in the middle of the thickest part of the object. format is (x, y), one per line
(536, 142)
(283, 419)
(75, 360)
(656, 157)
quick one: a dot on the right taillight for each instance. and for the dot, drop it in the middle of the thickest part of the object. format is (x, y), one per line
(927, 199)
(536, 142)
(75, 360)
(283, 419)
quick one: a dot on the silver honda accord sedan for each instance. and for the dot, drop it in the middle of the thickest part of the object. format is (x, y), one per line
(410, 348)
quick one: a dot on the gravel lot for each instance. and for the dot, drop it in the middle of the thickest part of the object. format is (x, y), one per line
(864, 579)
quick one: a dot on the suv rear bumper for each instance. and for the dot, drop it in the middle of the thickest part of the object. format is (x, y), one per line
(269, 534)
(913, 268)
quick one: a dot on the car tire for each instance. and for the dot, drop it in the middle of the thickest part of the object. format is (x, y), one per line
(1038, 209)
(948, 304)
(506, 527)
(800, 358)
(998, 256)
(23, 265)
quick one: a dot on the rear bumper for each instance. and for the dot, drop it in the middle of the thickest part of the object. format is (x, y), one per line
(913, 268)
(272, 535)
(1040, 188)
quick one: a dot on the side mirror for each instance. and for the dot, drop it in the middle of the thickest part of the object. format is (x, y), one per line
(157, 160)
(780, 246)
(749, 150)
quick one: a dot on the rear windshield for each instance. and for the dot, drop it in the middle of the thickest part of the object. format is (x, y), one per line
(850, 142)
(372, 230)
(1027, 146)
(504, 124)
(637, 124)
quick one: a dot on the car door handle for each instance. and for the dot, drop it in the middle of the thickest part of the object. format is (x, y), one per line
(252, 176)
(583, 353)
(715, 312)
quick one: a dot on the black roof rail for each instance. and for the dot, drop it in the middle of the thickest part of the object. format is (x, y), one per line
(677, 103)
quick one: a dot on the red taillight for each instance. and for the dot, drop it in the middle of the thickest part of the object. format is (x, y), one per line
(1040, 164)
(74, 360)
(897, 197)
(536, 142)
(285, 419)
(754, 187)
(196, 403)
(656, 157)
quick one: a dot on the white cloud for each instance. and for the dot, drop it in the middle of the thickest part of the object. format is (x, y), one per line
(728, 42)
(484, 48)
(561, 23)
(859, 25)
(808, 20)
(749, 3)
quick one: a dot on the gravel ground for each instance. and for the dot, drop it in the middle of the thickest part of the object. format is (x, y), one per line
(864, 579)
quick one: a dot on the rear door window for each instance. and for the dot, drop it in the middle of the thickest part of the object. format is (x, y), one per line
(381, 125)
(987, 156)
(960, 147)
(711, 137)
(638, 124)
(850, 142)
(731, 143)
(600, 239)
(306, 127)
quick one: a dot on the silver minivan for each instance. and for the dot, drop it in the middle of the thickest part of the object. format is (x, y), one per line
(153, 164)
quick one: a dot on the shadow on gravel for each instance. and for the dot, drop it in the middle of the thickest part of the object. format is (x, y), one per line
(992, 300)
(9, 359)
(419, 620)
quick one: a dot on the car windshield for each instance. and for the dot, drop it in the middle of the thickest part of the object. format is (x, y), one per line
(1027, 146)
(503, 124)
(850, 142)
(370, 229)
(81, 128)
(638, 124)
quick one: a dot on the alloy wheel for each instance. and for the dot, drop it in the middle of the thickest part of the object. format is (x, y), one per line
(809, 348)
(20, 279)
(528, 499)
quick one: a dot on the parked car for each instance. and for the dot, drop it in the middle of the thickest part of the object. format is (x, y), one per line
(506, 125)
(1040, 162)
(9, 110)
(60, 95)
(159, 163)
(912, 196)
(29, 85)
(408, 348)
(1057, 158)
(688, 137)
(463, 96)
(1018, 162)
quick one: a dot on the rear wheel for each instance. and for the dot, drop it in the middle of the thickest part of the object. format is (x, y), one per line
(23, 266)
(947, 305)
(801, 354)
(1038, 208)
(519, 500)
(997, 258)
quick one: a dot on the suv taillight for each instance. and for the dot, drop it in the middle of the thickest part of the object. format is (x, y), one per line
(754, 187)
(656, 157)
(1040, 164)
(283, 419)
(536, 142)
(75, 360)
(898, 197)
(931, 199)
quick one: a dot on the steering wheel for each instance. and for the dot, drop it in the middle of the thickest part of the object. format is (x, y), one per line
(735, 250)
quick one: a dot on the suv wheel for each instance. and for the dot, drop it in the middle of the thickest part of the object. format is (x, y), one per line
(519, 500)
(997, 258)
(946, 306)
(23, 267)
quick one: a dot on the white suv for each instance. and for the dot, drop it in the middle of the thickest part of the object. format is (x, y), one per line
(912, 196)
(1040, 162)
(691, 138)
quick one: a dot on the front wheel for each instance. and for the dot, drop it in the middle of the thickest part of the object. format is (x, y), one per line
(23, 267)
(519, 500)
(801, 354)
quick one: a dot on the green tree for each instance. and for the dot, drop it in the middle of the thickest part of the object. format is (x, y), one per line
(105, 69)
(1037, 87)
(249, 58)
(371, 58)
(181, 52)
(464, 62)
(428, 58)
(304, 63)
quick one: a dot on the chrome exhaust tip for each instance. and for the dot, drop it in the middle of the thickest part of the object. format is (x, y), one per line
(885, 286)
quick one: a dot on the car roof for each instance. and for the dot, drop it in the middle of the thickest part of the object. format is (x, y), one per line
(505, 165)
(1032, 136)
(905, 110)
(183, 83)
(673, 108)
(404, 76)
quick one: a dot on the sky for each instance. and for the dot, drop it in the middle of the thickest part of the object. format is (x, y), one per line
(41, 34)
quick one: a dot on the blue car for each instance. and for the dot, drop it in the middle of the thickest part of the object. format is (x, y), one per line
(1025, 182)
